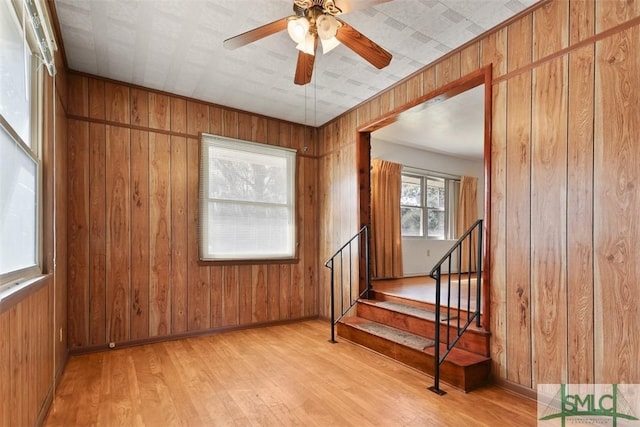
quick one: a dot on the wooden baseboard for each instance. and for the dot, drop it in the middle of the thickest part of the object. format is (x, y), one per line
(518, 389)
(152, 340)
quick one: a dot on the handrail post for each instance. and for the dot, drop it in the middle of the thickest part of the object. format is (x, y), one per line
(436, 359)
(479, 278)
(366, 263)
(332, 308)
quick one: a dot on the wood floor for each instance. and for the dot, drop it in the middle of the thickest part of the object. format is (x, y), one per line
(423, 289)
(280, 375)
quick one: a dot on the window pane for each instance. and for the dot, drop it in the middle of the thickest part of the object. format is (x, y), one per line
(249, 231)
(411, 191)
(240, 175)
(435, 224)
(247, 202)
(411, 220)
(18, 214)
(435, 194)
(14, 90)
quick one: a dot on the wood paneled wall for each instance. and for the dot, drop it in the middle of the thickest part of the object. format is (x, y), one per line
(133, 268)
(564, 188)
(31, 320)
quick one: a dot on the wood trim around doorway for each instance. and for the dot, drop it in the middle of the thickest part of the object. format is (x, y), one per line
(363, 157)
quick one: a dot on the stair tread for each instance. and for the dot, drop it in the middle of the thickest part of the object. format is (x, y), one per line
(456, 356)
(411, 310)
(390, 333)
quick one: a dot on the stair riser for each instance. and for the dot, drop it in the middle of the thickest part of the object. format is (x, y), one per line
(472, 340)
(464, 378)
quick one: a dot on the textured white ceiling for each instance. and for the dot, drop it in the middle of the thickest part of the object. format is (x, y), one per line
(454, 126)
(176, 46)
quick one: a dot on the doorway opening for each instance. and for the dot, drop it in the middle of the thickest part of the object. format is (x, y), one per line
(420, 127)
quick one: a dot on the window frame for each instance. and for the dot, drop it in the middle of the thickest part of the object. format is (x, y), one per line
(448, 209)
(290, 155)
(15, 279)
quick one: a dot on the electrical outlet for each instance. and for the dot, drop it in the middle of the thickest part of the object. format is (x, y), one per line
(428, 252)
(112, 345)
(60, 334)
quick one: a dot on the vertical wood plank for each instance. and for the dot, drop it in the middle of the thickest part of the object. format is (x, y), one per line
(230, 296)
(118, 234)
(518, 205)
(310, 253)
(549, 222)
(518, 229)
(497, 286)
(273, 292)
(78, 233)
(96, 99)
(5, 369)
(400, 95)
(470, 59)
(245, 285)
(117, 103)
(429, 80)
(284, 292)
(197, 118)
(550, 28)
(160, 235)
(178, 115)
(386, 102)
(159, 111)
(139, 234)
(414, 88)
(217, 283)
(16, 361)
(612, 13)
(139, 100)
(199, 298)
(580, 214)
(97, 234)
(494, 52)
(179, 234)
(259, 294)
(616, 207)
(581, 20)
(78, 95)
(448, 70)
(226, 122)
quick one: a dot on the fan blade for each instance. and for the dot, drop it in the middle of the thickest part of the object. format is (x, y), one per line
(363, 46)
(304, 68)
(347, 6)
(256, 34)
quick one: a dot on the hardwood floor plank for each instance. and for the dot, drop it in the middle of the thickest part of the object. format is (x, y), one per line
(280, 375)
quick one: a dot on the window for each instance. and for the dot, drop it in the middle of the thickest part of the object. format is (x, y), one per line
(19, 151)
(247, 200)
(426, 206)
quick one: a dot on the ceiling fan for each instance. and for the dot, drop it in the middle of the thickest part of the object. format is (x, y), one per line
(315, 20)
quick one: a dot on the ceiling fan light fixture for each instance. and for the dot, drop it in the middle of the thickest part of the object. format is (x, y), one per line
(329, 44)
(298, 29)
(308, 45)
(327, 27)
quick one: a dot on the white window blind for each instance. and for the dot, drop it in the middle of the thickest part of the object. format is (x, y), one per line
(247, 200)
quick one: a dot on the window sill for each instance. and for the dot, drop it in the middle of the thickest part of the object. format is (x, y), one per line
(14, 292)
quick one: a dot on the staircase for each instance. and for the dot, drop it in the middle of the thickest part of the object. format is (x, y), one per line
(412, 331)
(404, 330)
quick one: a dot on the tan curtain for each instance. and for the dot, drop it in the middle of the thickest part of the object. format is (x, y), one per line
(467, 214)
(386, 238)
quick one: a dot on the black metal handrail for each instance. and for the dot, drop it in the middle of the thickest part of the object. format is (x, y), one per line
(363, 245)
(436, 273)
